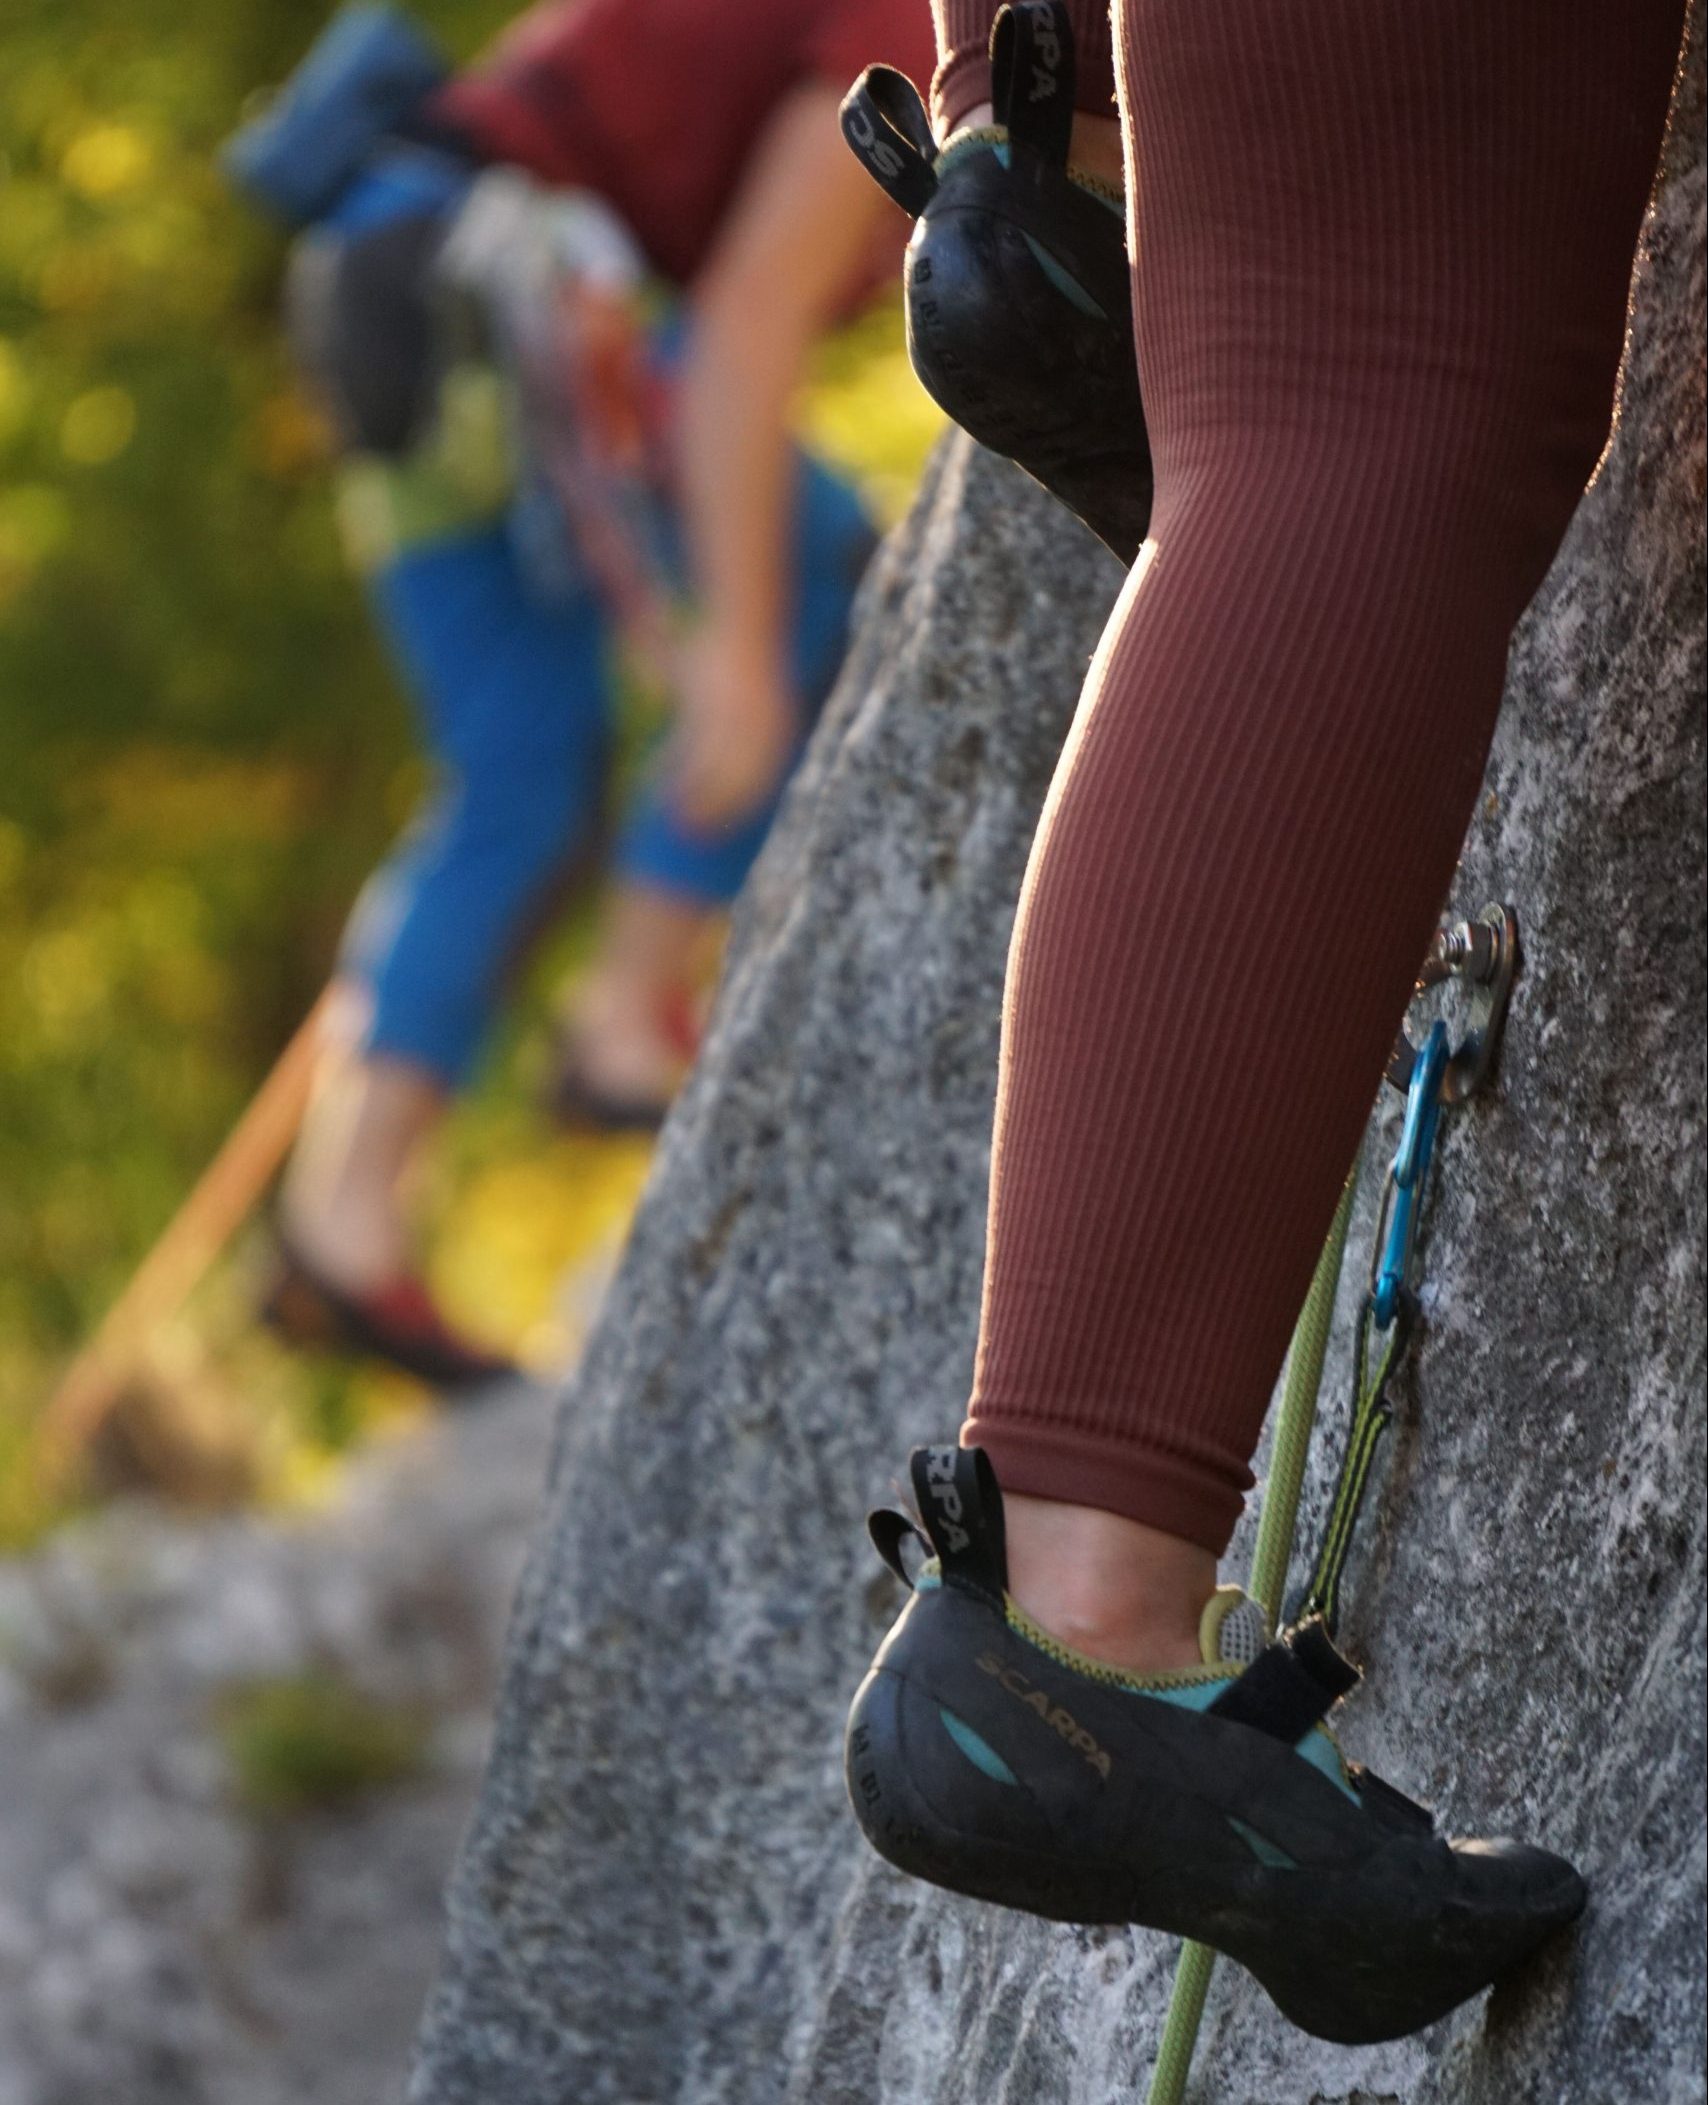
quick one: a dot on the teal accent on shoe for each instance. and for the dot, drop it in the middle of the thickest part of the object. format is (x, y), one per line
(958, 148)
(979, 1752)
(1069, 288)
(1191, 1695)
(965, 146)
(1321, 1752)
(1316, 1747)
(1261, 1847)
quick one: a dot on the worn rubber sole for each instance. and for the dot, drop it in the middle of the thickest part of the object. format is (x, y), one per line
(1029, 349)
(977, 1761)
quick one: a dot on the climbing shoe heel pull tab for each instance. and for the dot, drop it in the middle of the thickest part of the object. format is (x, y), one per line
(884, 121)
(1032, 77)
(961, 1507)
(890, 1532)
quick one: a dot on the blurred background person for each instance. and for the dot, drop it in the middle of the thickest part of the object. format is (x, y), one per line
(550, 472)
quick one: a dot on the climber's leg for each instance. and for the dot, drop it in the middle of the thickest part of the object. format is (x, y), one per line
(831, 542)
(674, 878)
(626, 1030)
(514, 700)
(1382, 263)
(1110, 1587)
(1017, 288)
(1379, 375)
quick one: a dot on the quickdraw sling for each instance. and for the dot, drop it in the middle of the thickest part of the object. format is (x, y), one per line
(1302, 1674)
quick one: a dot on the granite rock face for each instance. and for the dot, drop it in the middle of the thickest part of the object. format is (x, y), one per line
(663, 1900)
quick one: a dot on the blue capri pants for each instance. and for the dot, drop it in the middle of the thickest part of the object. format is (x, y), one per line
(515, 696)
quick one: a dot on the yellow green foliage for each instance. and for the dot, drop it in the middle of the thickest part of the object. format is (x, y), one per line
(201, 750)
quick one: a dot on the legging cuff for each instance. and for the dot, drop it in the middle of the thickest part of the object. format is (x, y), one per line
(962, 79)
(1151, 1485)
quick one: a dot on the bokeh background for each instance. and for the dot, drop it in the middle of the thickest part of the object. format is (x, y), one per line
(202, 753)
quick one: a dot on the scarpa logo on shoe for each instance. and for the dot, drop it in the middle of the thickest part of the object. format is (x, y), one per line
(1048, 66)
(1060, 1721)
(1041, 44)
(940, 1482)
(862, 135)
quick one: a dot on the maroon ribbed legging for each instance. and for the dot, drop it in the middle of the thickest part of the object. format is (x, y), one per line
(1383, 249)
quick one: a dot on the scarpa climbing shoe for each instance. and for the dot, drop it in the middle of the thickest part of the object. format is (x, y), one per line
(1211, 1803)
(1019, 310)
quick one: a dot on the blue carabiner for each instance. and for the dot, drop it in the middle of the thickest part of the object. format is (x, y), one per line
(1410, 1173)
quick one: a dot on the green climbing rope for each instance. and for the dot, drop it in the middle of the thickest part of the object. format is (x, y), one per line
(1297, 1420)
(1275, 1530)
(1484, 955)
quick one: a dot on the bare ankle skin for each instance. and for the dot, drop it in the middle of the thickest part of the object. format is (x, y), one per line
(652, 945)
(344, 1204)
(1124, 1594)
(1096, 148)
(621, 1048)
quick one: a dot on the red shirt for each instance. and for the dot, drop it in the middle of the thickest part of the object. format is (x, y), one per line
(656, 104)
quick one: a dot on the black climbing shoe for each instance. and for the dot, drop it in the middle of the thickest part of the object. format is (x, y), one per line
(1019, 308)
(1211, 1804)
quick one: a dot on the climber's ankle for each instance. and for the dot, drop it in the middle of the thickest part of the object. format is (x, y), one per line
(1109, 1587)
(1095, 148)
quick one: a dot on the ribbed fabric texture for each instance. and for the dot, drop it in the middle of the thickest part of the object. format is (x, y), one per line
(963, 44)
(1383, 257)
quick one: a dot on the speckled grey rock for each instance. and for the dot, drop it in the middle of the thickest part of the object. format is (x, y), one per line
(663, 1901)
(160, 1944)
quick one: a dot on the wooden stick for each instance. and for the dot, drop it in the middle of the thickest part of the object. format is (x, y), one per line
(223, 1197)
